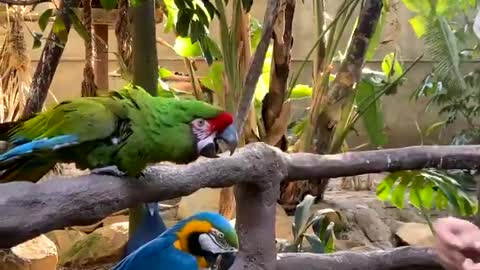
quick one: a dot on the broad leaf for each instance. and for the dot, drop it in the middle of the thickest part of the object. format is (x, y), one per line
(419, 25)
(43, 19)
(163, 72)
(398, 194)
(214, 78)
(315, 243)
(78, 25)
(384, 188)
(377, 35)
(391, 67)
(184, 47)
(302, 214)
(60, 30)
(420, 6)
(301, 91)
(371, 112)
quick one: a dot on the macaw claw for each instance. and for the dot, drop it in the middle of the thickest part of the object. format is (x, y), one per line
(109, 170)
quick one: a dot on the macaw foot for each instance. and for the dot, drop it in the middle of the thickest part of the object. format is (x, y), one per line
(109, 170)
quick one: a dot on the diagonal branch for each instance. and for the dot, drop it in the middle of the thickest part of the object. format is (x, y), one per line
(255, 68)
(29, 209)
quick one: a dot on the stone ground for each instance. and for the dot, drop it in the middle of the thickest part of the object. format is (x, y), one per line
(370, 224)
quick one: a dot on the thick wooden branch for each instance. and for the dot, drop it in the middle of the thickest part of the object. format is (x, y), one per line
(31, 209)
(405, 258)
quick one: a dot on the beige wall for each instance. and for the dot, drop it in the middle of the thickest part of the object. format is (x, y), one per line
(400, 113)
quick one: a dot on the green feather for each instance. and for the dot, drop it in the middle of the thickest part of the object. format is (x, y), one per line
(148, 129)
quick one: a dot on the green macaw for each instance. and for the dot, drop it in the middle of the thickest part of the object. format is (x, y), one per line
(119, 133)
(128, 129)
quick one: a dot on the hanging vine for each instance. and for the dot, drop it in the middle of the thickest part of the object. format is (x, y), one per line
(89, 88)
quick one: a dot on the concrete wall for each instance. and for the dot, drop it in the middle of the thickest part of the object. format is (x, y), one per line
(400, 113)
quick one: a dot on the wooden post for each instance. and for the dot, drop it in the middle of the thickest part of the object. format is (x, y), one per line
(100, 62)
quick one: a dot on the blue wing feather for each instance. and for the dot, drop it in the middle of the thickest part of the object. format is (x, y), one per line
(38, 145)
(158, 254)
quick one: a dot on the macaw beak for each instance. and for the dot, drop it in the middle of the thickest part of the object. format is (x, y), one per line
(230, 137)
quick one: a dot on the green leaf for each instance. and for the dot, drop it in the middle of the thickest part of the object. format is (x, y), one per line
(434, 127)
(78, 25)
(172, 12)
(384, 188)
(419, 6)
(184, 47)
(302, 214)
(391, 67)
(377, 35)
(301, 91)
(60, 30)
(111, 4)
(163, 72)
(372, 116)
(247, 4)
(43, 19)
(214, 78)
(37, 43)
(183, 22)
(263, 83)
(299, 127)
(419, 25)
(315, 243)
(329, 239)
(255, 33)
(398, 194)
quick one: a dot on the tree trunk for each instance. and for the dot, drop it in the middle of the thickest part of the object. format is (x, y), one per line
(46, 67)
(145, 60)
(339, 95)
(89, 87)
(145, 65)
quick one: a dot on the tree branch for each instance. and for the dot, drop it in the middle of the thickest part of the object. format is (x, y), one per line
(405, 258)
(49, 60)
(256, 65)
(29, 209)
(23, 2)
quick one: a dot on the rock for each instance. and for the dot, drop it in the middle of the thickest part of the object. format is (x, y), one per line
(39, 253)
(114, 219)
(341, 244)
(87, 228)
(205, 199)
(104, 245)
(415, 234)
(373, 227)
(65, 239)
(283, 224)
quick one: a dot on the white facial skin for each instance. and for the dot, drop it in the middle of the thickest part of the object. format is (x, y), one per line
(201, 129)
(215, 242)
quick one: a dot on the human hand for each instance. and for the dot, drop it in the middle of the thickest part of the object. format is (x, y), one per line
(457, 243)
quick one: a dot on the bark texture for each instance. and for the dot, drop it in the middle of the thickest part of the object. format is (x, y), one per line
(29, 209)
(404, 258)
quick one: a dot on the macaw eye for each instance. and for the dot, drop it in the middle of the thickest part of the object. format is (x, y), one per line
(199, 123)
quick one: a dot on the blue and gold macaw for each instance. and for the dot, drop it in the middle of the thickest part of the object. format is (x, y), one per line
(192, 243)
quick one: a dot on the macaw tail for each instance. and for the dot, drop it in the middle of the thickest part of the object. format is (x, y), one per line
(29, 160)
(146, 224)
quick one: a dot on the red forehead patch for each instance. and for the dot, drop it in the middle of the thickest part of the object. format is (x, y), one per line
(222, 121)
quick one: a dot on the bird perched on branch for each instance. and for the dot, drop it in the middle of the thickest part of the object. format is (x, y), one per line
(127, 128)
(192, 243)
